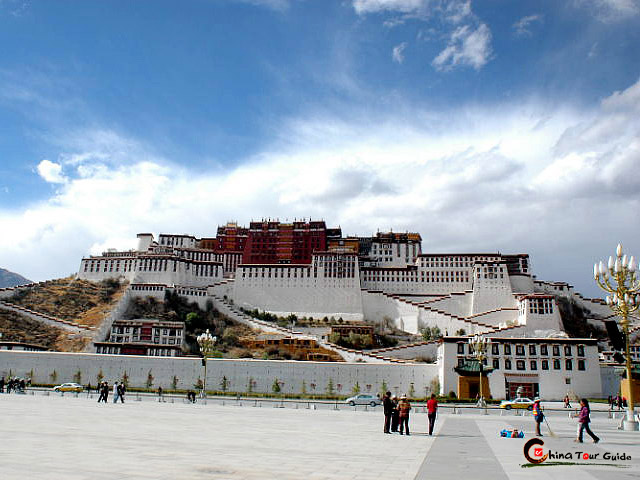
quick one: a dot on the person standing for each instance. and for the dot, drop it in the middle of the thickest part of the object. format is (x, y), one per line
(432, 409)
(395, 415)
(538, 416)
(116, 392)
(105, 391)
(159, 394)
(404, 407)
(567, 401)
(121, 391)
(387, 408)
(584, 420)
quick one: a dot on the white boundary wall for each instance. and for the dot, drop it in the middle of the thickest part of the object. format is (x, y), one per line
(263, 373)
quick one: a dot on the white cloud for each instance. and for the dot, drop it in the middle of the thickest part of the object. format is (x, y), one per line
(519, 177)
(467, 47)
(51, 172)
(403, 6)
(398, 52)
(522, 26)
(611, 10)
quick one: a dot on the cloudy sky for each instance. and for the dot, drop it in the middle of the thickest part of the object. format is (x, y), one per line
(486, 126)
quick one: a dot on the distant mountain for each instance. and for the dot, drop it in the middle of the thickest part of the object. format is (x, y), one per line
(10, 279)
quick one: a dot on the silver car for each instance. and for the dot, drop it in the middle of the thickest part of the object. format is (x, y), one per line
(363, 399)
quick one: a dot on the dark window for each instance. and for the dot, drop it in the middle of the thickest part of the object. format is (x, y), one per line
(581, 365)
(567, 350)
(533, 364)
(544, 350)
(507, 349)
(496, 363)
(507, 364)
(494, 349)
(556, 350)
(581, 350)
(520, 365)
(461, 348)
(532, 349)
(460, 361)
(568, 364)
(519, 349)
(545, 364)
(556, 364)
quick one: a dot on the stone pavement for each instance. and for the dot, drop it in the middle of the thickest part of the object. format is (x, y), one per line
(53, 437)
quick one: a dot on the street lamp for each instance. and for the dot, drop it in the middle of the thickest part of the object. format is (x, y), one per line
(620, 278)
(479, 345)
(206, 341)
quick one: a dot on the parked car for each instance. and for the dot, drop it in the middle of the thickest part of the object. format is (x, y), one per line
(68, 387)
(363, 399)
(520, 402)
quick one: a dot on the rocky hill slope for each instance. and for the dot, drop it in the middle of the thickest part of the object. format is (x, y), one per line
(11, 279)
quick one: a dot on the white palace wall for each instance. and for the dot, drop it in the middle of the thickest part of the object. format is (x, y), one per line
(316, 375)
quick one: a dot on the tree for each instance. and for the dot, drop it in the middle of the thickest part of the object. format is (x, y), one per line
(275, 388)
(199, 385)
(330, 387)
(412, 390)
(78, 377)
(303, 390)
(53, 376)
(384, 388)
(174, 383)
(356, 389)
(250, 385)
(461, 333)
(125, 379)
(100, 376)
(224, 384)
(149, 379)
(435, 385)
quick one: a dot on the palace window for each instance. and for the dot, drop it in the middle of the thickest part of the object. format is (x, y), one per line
(545, 364)
(581, 365)
(581, 350)
(507, 349)
(494, 349)
(532, 350)
(556, 351)
(544, 350)
(568, 364)
(496, 363)
(519, 349)
(507, 364)
(556, 364)
(520, 365)
(533, 364)
(567, 350)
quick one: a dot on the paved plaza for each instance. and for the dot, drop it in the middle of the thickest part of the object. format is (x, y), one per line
(53, 437)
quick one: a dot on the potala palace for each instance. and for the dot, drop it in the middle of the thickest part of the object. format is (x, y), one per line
(307, 269)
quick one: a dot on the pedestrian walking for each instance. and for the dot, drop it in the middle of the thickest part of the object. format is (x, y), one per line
(432, 409)
(404, 407)
(159, 394)
(584, 420)
(387, 408)
(395, 415)
(619, 402)
(116, 392)
(538, 416)
(121, 391)
(567, 401)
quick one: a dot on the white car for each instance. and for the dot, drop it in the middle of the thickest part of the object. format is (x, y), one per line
(520, 402)
(68, 387)
(363, 399)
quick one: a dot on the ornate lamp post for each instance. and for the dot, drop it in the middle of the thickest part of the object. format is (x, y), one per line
(620, 278)
(479, 345)
(206, 341)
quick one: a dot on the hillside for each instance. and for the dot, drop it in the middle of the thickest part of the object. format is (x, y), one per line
(17, 328)
(11, 279)
(71, 299)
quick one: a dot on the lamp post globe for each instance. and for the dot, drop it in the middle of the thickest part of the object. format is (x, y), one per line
(621, 280)
(206, 341)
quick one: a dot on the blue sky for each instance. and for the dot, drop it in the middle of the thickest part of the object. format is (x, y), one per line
(493, 125)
